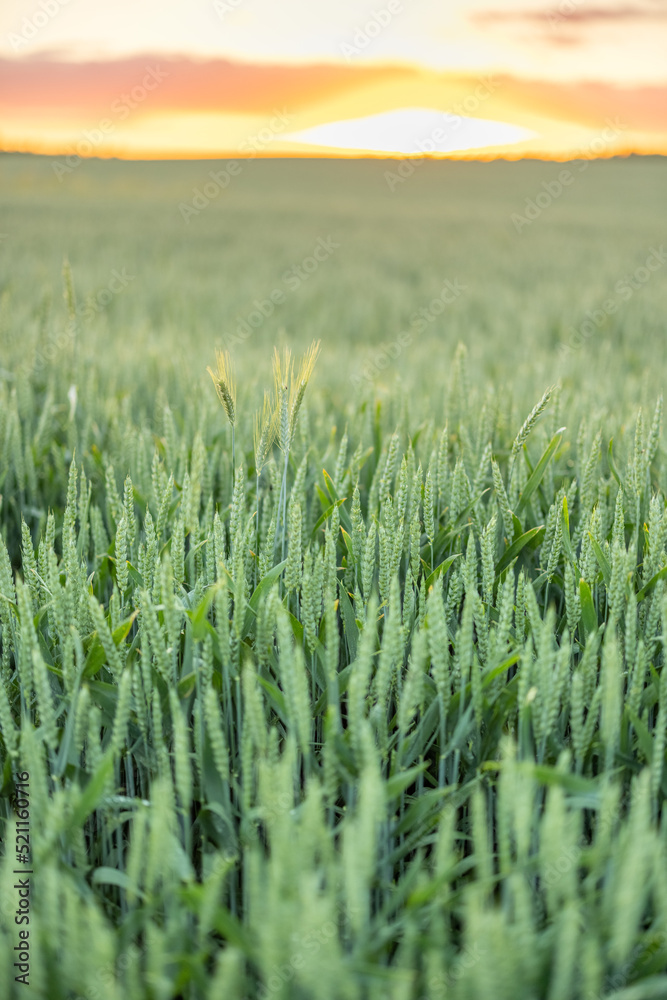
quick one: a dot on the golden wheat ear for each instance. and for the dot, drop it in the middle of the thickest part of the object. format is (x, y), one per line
(282, 371)
(300, 384)
(225, 386)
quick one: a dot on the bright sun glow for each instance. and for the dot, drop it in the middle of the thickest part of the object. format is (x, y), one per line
(412, 131)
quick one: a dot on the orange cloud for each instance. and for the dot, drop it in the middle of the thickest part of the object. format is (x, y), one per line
(640, 108)
(90, 88)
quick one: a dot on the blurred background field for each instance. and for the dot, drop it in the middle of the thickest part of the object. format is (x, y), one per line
(193, 282)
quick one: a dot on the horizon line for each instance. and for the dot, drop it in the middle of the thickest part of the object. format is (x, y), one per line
(293, 155)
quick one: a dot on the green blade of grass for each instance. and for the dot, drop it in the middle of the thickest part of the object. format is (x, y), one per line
(537, 475)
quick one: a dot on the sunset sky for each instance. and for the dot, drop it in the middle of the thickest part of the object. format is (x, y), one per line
(141, 78)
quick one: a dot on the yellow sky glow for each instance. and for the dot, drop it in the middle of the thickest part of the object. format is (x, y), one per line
(551, 78)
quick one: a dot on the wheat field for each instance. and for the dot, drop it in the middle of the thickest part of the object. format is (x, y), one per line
(336, 671)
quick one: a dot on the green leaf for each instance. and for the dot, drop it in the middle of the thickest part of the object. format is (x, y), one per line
(440, 570)
(135, 576)
(397, 783)
(565, 525)
(66, 741)
(333, 496)
(545, 774)
(112, 876)
(277, 697)
(93, 792)
(576, 783)
(349, 621)
(589, 615)
(644, 737)
(95, 659)
(121, 631)
(433, 887)
(8, 787)
(331, 489)
(602, 559)
(612, 464)
(186, 685)
(193, 551)
(297, 629)
(422, 809)
(8, 601)
(106, 696)
(233, 931)
(648, 587)
(348, 545)
(225, 832)
(324, 499)
(516, 547)
(325, 517)
(488, 676)
(198, 616)
(261, 589)
(537, 475)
